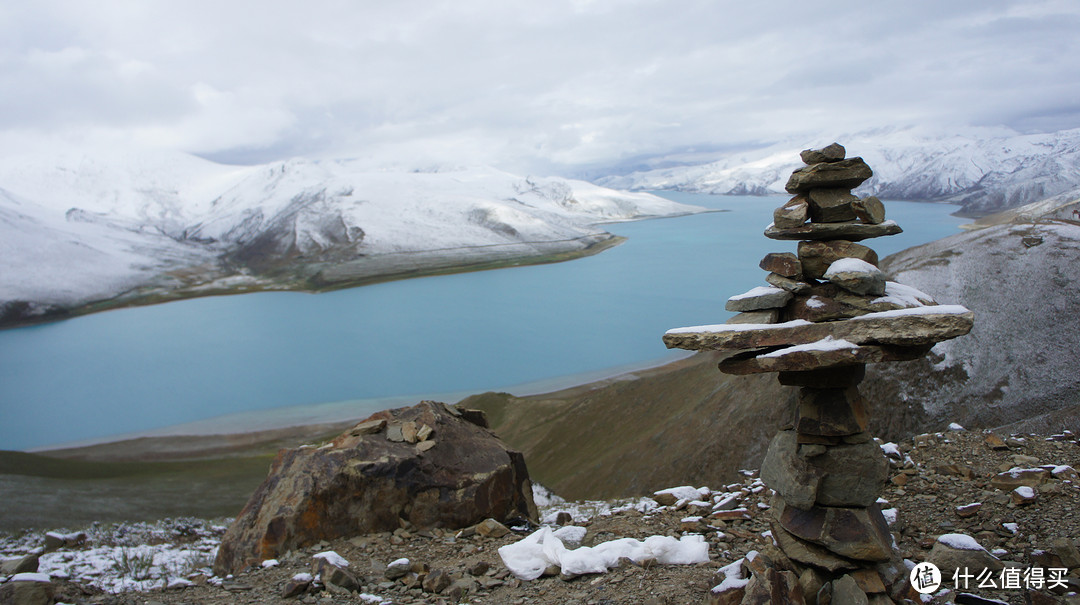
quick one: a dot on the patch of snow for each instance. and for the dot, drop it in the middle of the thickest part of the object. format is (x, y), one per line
(825, 344)
(1025, 492)
(332, 558)
(850, 265)
(303, 577)
(891, 450)
(716, 328)
(270, 563)
(683, 492)
(890, 514)
(959, 542)
(758, 291)
(926, 310)
(542, 496)
(1011, 527)
(528, 558)
(903, 295)
(30, 577)
(955, 427)
(815, 302)
(571, 534)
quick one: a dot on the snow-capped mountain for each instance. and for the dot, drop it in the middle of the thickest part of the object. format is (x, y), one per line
(80, 225)
(984, 169)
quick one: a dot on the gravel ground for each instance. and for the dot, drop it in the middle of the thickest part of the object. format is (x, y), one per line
(933, 475)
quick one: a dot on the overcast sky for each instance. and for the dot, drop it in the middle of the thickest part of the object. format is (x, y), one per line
(542, 85)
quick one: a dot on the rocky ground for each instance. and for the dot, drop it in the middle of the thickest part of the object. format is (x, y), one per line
(943, 483)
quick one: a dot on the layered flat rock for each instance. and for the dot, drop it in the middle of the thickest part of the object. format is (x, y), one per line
(870, 210)
(847, 174)
(825, 353)
(787, 283)
(854, 533)
(903, 327)
(840, 475)
(851, 231)
(792, 214)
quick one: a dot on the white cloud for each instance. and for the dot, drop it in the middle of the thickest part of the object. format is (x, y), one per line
(526, 84)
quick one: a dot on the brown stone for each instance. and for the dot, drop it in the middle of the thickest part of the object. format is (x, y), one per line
(809, 553)
(949, 558)
(786, 283)
(851, 231)
(408, 432)
(868, 580)
(816, 256)
(774, 588)
(490, 528)
(831, 205)
(368, 427)
(995, 442)
(727, 594)
(853, 533)
(793, 214)
(870, 210)
(1024, 495)
(295, 588)
(830, 153)
(338, 490)
(848, 174)
(925, 325)
(829, 378)
(968, 510)
(816, 307)
(956, 470)
(333, 574)
(1015, 477)
(782, 263)
(437, 581)
(831, 412)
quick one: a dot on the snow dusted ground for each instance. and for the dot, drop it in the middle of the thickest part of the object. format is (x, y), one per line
(84, 223)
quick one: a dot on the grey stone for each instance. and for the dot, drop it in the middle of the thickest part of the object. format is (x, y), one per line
(809, 553)
(949, 558)
(756, 362)
(848, 174)
(792, 214)
(845, 590)
(27, 593)
(831, 205)
(928, 326)
(831, 412)
(830, 153)
(764, 316)
(844, 475)
(866, 280)
(27, 564)
(828, 231)
(759, 298)
(786, 283)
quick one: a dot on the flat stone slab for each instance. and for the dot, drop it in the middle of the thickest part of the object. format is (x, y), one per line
(903, 327)
(852, 232)
(818, 355)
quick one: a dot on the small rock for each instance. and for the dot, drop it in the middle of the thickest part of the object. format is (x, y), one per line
(831, 153)
(490, 528)
(437, 581)
(782, 263)
(793, 214)
(968, 510)
(1023, 495)
(869, 210)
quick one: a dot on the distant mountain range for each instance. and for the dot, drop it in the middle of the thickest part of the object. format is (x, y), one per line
(108, 227)
(983, 169)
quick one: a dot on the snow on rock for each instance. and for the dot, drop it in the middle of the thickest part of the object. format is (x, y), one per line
(332, 558)
(850, 265)
(825, 344)
(529, 557)
(959, 542)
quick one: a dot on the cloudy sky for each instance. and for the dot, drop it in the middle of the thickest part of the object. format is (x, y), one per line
(541, 85)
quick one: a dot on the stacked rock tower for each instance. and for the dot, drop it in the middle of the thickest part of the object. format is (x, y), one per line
(827, 312)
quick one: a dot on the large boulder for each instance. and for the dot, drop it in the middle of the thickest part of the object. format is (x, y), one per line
(431, 465)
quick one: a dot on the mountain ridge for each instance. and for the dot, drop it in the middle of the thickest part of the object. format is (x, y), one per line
(985, 170)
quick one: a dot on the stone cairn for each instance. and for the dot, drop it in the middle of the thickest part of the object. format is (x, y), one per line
(827, 312)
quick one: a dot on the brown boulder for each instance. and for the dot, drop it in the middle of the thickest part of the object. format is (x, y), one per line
(792, 214)
(783, 263)
(365, 483)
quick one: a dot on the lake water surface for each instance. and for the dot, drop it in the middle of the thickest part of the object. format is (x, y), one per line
(391, 344)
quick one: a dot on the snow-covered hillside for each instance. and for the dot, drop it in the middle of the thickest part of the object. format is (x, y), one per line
(79, 225)
(984, 169)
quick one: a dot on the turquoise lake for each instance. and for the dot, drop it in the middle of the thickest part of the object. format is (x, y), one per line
(216, 360)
